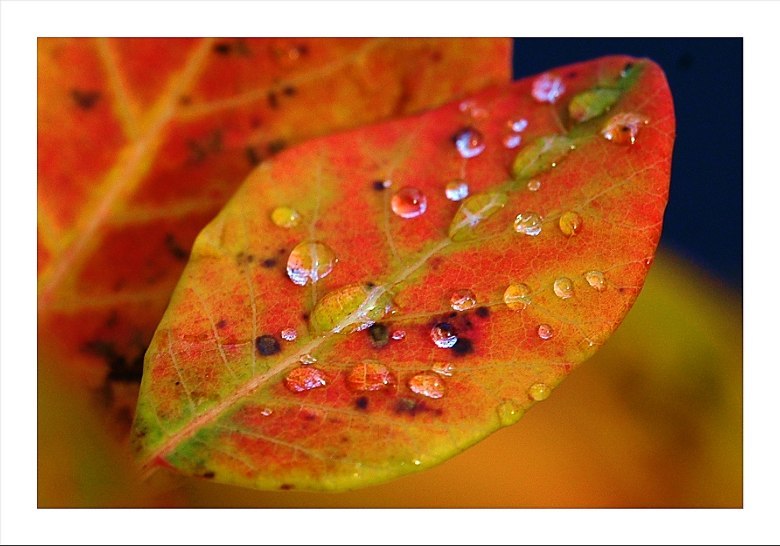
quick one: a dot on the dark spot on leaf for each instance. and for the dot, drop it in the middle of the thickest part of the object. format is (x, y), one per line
(243, 258)
(267, 345)
(446, 327)
(273, 101)
(378, 185)
(289, 91)
(453, 314)
(221, 324)
(175, 249)
(210, 144)
(379, 334)
(252, 156)
(282, 250)
(406, 405)
(370, 285)
(269, 263)
(482, 312)
(185, 100)
(626, 69)
(177, 383)
(463, 346)
(85, 99)
(361, 403)
(344, 439)
(222, 48)
(208, 475)
(286, 486)
(276, 146)
(621, 289)
(308, 416)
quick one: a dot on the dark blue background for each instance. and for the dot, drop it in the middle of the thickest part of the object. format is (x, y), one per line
(703, 220)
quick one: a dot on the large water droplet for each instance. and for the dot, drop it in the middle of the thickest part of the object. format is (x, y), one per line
(511, 140)
(409, 202)
(289, 334)
(310, 261)
(305, 378)
(443, 335)
(463, 299)
(474, 210)
(545, 331)
(541, 155)
(534, 185)
(547, 88)
(592, 103)
(285, 217)
(457, 190)
(563, 288)
(509, 412)
(443, 368)
(351, 308)
(596, 280)
(427, 384)
(529, 223)
(369, 376)
(623, 128)
(570, 223)
(517, 296)
(469, 142)
(539, 391)
(517, 125)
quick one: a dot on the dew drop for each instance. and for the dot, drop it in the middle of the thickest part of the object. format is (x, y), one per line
(398, 335)
(539, 391)
(512, 140)
(463, 299)
(457, 190)
(351, 308)
(289, 334)
(534, 185)
(409, 202)
(310, 261)
(469, 142)
(545, 331)
(623, 128)
(443, 335)
(427, 384)
(369, 376)
(596, 280)
(570, 223)
(517, 296)
(509, 412)
(305, 379)
(285, 217)
(563, 287)
(529, 223)
(443, 368)
(517, 125)
(265, 412)
(307, 359)
(547, 88)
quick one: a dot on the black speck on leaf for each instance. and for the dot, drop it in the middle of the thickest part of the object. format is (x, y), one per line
(267, 345)
(269, 263)
(482, 312)
(222, 48)
(361, 403)
(463, 346)
(380, 335)
(175, 249)
(276, 146)
(252, 156)
(85, 99)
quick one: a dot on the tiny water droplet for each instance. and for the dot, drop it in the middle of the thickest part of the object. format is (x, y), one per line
(547, 88)
(307, 359)
(534, 185)
(351, 308)
(539, 391)
(545, 331)
(517, 125)
(463, 299)
(398, 335)
(570, 223)
(512, 140)
(427, 384)
(457, 190)
(529, 223)
(623, 128)
(443, 368)
(563, 287)
(310, 261)
(289, 334)
(417, 462)
(409, 202)
(305, 378)
(596, 280)
(517, 296)
(509, 412)
(285, 217)
(265, 412)
(443, 335)
(369, 376)
(469, 142)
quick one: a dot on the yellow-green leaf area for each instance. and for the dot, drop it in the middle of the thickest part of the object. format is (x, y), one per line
(592, 103)
(473, 211)
(541, 155)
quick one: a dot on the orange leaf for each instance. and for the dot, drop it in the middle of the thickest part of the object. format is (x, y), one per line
(413, 325)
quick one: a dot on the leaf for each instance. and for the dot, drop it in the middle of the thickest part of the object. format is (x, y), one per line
(142, 141)
(212, 405)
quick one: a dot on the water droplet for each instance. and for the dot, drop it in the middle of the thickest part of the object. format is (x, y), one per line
(509, 412)
(305, 378)
(409, 202)
(563, 287)
(416, 462)
(463, 299)
(351, 308)
(457, 190)
(596, 280)
(592, 103)
(545, 331)
(623, 128)
(529, 223)
(369, 376)
(285, 217)
(539, 391)
(474, 210)
(469, 142)
(265, 412)
(427, 384)
(570, 223)
(540, 156)
(443, 368)
(443, 335)
(512, 140)
(310, 261)
(534, 185)
(398, 335)
(307, 359)
(517, 296)
(289, 334)
(547, 88)
(517, 125)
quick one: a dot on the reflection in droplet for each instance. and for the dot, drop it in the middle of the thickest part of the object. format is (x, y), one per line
(509, 412)
(310, 261)
(534, 185)
(512, 140)
(547, 88)
(427, 384)
(369, 376)
(443, 368)
(623, 128)
(398, 335)
(529, 223)
(469, 142)
(443, 335)
(305, 378)
(570, 223)
(285, 217)
(539, 391)
(545, 331)
(289, 334)
(409, 202)
(307, 359)
(517, 296)
(463, 299)
(596, 280)
(457, 190)
(351, 308)
(563, 287)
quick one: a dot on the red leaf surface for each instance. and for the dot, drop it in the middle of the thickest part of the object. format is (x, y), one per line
(142, 141)
(569, 218)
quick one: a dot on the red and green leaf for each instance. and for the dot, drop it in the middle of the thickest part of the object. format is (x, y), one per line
(224, 396)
